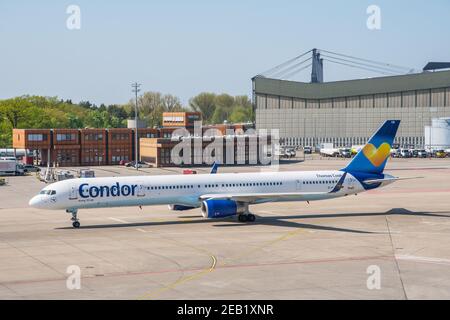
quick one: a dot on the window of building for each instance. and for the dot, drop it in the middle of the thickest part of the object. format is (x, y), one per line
(65, 137)
(37, 137)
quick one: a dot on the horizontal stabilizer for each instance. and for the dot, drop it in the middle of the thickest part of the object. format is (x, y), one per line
(370, 181)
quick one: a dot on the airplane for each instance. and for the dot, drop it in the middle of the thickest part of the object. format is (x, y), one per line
(221, 195)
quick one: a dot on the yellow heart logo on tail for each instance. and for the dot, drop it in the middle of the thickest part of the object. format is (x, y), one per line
(377, 156)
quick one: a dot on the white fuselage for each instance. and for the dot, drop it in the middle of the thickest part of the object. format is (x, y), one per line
(186, 190)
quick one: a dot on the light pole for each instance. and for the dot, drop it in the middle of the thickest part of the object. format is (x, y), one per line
(136, 89)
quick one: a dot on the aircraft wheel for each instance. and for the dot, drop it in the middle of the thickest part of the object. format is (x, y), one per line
(251, 217)
(242, 218)
(76, 224)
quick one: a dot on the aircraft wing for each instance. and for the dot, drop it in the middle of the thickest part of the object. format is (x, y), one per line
(253, 197)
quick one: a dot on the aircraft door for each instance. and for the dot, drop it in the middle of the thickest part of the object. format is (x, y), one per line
(298, 186)
(351, 183)
(73, 193)
(141, 190)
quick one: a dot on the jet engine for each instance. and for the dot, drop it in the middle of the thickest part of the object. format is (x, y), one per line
(221, 208)
(180, 207)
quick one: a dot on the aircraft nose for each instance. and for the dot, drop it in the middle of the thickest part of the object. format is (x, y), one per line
(35, 202)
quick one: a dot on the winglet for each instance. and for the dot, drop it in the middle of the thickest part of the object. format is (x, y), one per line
(214, 168)
(340, 184)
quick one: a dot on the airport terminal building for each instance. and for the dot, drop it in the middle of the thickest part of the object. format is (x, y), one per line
(347, 112)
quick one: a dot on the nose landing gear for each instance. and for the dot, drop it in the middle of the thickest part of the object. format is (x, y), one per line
(75, 222)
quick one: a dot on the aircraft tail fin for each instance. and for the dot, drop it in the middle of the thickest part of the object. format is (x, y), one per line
(214, 167)
(373, 156)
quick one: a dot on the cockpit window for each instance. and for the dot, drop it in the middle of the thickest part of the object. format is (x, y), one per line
(48, 192)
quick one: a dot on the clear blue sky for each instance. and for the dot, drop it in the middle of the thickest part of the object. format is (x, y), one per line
(186, 47)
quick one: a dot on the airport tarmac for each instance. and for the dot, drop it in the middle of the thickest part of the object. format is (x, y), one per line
(333, 249)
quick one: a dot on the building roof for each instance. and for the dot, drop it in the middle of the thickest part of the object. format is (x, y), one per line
(336, 89)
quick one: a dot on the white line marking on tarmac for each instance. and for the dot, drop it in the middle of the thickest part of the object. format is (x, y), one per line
(118, 220)
(141, 230)
(423, 259)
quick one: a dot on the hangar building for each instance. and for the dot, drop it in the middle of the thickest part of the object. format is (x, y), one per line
(347, 112)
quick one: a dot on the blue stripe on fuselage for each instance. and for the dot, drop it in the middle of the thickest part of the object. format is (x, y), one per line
(362, 176)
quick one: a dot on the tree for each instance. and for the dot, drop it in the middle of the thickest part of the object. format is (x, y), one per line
(118, 112)
(94, 119)
(74, 121)
(243, 101)
(225, 101)
(171, 103)
(15, 110)
(85, 104)
(241, 114)
(5, 134)
(205, 103)
(220, 115)
(152, 104)
(242, 110)
(149, 102)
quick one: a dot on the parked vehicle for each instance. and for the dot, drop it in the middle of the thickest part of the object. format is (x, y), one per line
(8, 159)
(395, 153)
(419, 153)
(30, 168)
(345, 152)
(404, 153)
(86, 173)
(61, 175)
(439, 154)
(307, 150)
(290, 152)
(281, 153)
(328, 150)
(10, 168)
(356, 148)
(140, 164)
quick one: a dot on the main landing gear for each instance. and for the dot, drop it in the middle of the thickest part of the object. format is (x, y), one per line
(75, 222)
(246, 217)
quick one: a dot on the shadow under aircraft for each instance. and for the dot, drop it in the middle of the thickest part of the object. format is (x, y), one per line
(278, 221)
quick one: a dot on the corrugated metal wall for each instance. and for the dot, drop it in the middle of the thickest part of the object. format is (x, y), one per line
(350, 120)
